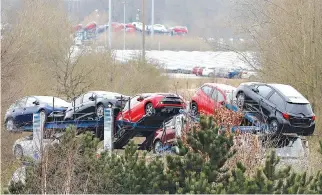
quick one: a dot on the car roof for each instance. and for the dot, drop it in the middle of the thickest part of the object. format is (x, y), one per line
(290, 93)
(222, 86)
(151, 94)
(105, 92)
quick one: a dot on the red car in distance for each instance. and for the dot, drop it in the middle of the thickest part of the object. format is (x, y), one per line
(211, 96)
(151, 105)
(197, 70)
(179, 30)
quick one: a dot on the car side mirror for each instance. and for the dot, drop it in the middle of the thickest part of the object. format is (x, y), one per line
(36, 102)
(92, 98)
(140, 99)
(255, 90)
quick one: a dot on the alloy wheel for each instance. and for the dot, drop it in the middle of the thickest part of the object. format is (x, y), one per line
(194, 109)
(240, 100)
(100, 111)
(149, 110)
(273, 126)
(157, 147)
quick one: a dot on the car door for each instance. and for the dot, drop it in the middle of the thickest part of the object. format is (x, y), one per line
(30, 109)
(87, 107)
(217, 98)
(18, 112)
(76, 106)
(205, 102)
(275, 103)
(137, 110)
(127, 112)
(264, 92)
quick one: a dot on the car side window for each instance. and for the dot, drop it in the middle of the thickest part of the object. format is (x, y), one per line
(277, 100)
(131, 102)
(21, 103)
(264, 90)
(217, 96)
(30, 102)
(87, 96)
(79, 100)
(207, 90)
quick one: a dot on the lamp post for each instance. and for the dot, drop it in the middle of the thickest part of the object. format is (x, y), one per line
(143, 33)
(124, 28)
(109, 24)
(152, 18)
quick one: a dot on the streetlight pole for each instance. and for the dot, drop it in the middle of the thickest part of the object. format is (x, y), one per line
(124, 26)
(143, 33)
(152, 18)
(109, 24)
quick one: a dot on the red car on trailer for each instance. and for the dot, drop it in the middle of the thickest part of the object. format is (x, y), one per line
(151, 105)
(210, 96)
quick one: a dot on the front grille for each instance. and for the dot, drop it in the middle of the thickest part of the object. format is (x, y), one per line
(296, 121)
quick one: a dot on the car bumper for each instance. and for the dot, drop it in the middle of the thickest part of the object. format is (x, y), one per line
(288, 128)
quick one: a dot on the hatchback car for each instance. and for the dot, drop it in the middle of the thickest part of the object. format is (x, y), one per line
(169, 133)
(151, 105)
(21, 112)
(24, 147)
(210, 96)
(283, 107)
(91, 104)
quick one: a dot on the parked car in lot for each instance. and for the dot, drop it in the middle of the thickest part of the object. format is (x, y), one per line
(24, 147)
(210, 96)
(21, 112)
(151, 104)
(284, 108)
(209, 72)
(197, 70)
(158, 28)
(91, 104)
(178, 30)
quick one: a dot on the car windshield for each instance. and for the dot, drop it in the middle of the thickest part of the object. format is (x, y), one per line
(299, 108)
(49, 100)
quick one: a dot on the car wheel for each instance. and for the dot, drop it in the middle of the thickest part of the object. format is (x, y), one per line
(100, 111)
(273, 126)
(240, 100)
(10, 126)
(43, 116)
(18, 152)
(157, 146)
(194, 109)
(211, 75)
(149, 109)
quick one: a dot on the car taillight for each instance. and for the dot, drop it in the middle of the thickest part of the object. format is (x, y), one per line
(313, 118)
(286, 116)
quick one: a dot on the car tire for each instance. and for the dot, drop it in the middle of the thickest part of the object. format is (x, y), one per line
(241, 100)
(10, 125)
(100, 111)
(211, 75)
(18, 152)
(156, 146)
(194, 108)
(149, 109)
(274, 126)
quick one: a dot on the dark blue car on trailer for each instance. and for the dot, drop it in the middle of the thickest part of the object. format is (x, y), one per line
(21, 112)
